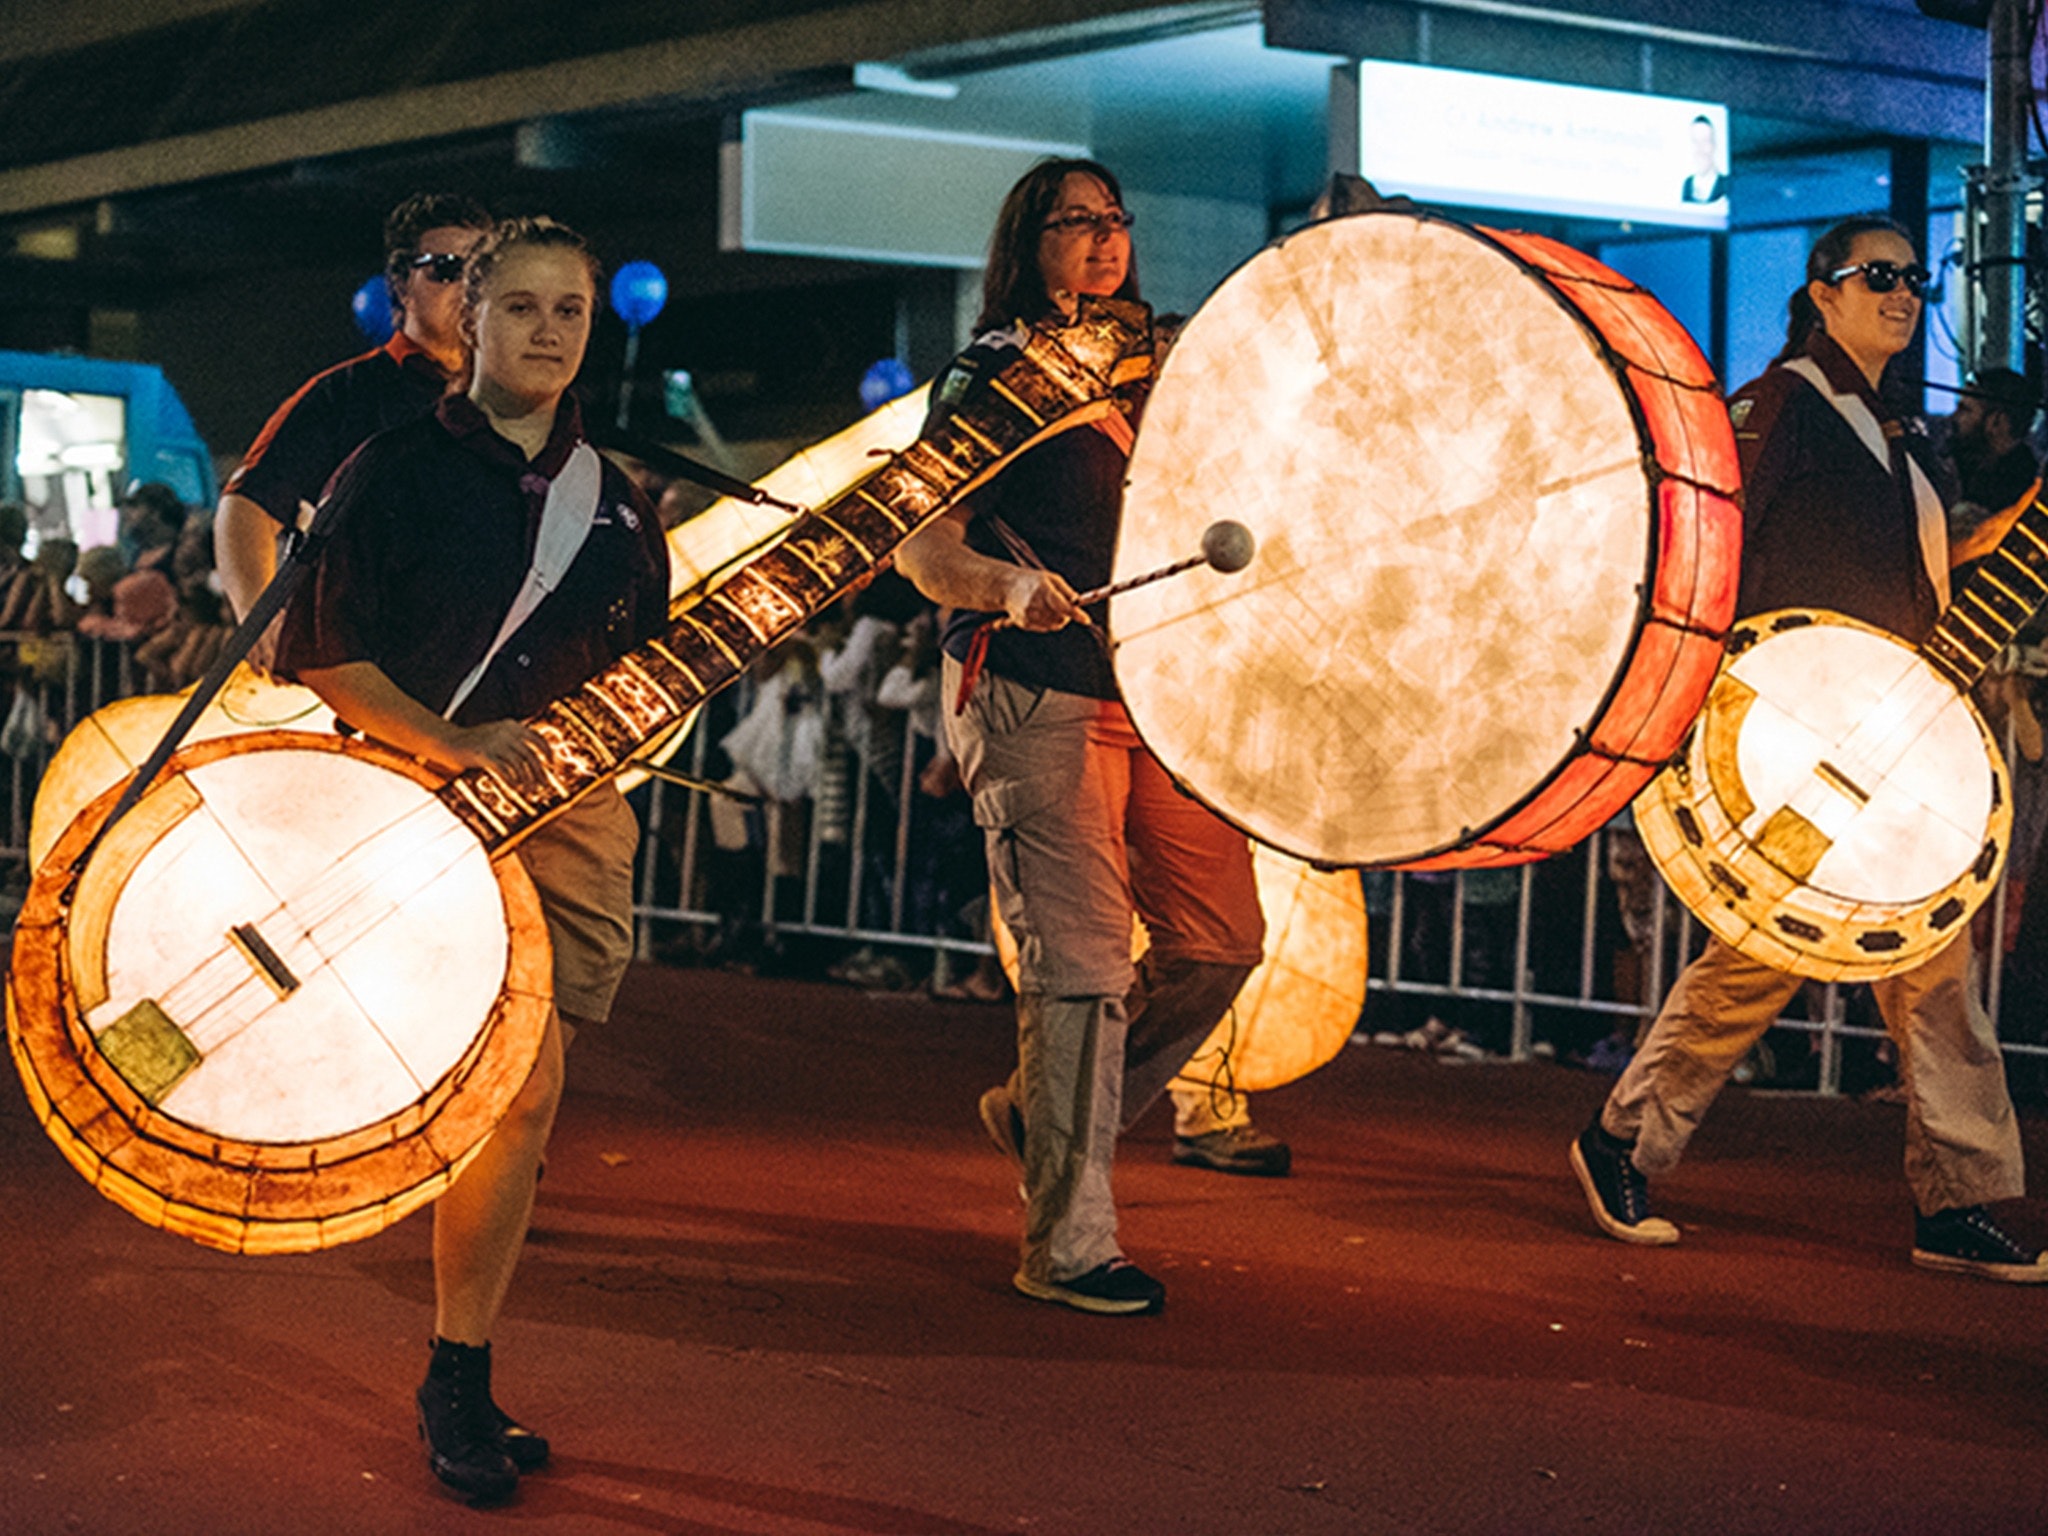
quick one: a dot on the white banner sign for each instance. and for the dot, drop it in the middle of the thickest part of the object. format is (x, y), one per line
(1493, 141)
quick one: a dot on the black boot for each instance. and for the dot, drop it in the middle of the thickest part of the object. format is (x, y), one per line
(460, 1424)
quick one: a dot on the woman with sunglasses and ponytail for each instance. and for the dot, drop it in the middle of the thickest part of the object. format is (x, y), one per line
(1841, 513)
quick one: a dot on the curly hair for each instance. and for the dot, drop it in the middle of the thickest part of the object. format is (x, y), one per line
(411, 219)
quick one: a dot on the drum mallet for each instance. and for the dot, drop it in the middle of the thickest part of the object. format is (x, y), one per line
(1226, 547)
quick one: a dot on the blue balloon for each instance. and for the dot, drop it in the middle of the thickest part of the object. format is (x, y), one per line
(372, 308)
(638, 292)
(887, 379)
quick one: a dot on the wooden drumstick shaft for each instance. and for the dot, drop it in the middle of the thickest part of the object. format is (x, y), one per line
(1226, 547)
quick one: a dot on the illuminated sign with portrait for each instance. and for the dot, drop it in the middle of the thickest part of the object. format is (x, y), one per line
(1493, 141)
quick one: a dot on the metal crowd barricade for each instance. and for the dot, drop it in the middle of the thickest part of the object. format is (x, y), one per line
(65, 677)
(829, 905)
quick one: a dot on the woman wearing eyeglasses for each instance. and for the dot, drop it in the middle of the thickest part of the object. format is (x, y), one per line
(1082, 824)
(1839, 513)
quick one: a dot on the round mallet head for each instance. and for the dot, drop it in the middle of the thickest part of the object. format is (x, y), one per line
(1228, 546)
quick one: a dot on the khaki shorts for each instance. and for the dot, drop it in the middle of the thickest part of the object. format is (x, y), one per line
(582, 865)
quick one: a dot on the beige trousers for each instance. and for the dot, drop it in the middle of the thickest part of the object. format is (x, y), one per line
(1083, 828)
(1962, 1140)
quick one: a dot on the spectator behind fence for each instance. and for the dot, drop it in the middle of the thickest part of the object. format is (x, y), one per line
(32, 596)
(151, 518)
(1995, 464)
(143, 600)
(100, 569)
(13, 534)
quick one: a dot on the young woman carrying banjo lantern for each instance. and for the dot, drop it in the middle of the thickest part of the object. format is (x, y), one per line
(1838, 516)
(425, 574)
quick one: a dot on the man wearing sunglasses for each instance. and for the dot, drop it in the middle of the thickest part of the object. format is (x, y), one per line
(426, 240)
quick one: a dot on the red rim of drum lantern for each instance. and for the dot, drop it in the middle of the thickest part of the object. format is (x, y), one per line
(1418, 404)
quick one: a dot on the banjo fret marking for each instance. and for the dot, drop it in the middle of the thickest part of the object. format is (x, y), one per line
(826, 519)
(658, 656)
(982, 440)
(1022, 407)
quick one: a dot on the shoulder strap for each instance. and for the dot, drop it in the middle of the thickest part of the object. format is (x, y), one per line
(1932, 520)
(565, 520)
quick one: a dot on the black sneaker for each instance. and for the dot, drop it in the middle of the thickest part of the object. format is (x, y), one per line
(1966, 1241)
(460, 1425)
(1235, 1149)
(1004, 1123)
(1117, 1287)
(1616, 1189)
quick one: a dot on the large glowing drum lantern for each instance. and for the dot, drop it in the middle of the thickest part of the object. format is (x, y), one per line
(284, 1000)
(1840, 809)
(1492, 485)
(1296, 1010)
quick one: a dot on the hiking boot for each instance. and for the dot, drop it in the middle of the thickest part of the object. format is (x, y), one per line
(1004, 1123)
(1616, 1189)
(1235, 1149)
(460, 1425)
(1117, 1287)
(1966, 1241)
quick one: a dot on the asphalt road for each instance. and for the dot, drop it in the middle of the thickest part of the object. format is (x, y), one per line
(767, 1292)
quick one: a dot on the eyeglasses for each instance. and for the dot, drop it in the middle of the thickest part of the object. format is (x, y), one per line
(1884, 276)
(1111, 222)
(441, 266)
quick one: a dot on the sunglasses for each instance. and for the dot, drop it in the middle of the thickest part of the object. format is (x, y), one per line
(1884, 276)
(1095, 223)
(441, 267)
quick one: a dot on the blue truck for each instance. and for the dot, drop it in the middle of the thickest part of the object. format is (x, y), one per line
(76, 432)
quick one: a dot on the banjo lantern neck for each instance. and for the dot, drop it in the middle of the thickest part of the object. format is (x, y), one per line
(1057, 380)
(2005, 591)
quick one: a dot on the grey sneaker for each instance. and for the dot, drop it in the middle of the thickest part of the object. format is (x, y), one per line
(1966, 1241)
(1117, 1287)
(1616, 1189)
(1235, 1149)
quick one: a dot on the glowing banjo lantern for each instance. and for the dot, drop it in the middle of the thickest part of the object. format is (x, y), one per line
(273, 1032)
(1296, 1010)
(1492, 485)
(1841, 809)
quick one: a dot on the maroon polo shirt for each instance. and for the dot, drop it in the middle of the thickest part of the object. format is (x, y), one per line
(330, 416)
(1825, 524)
(435, 523)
